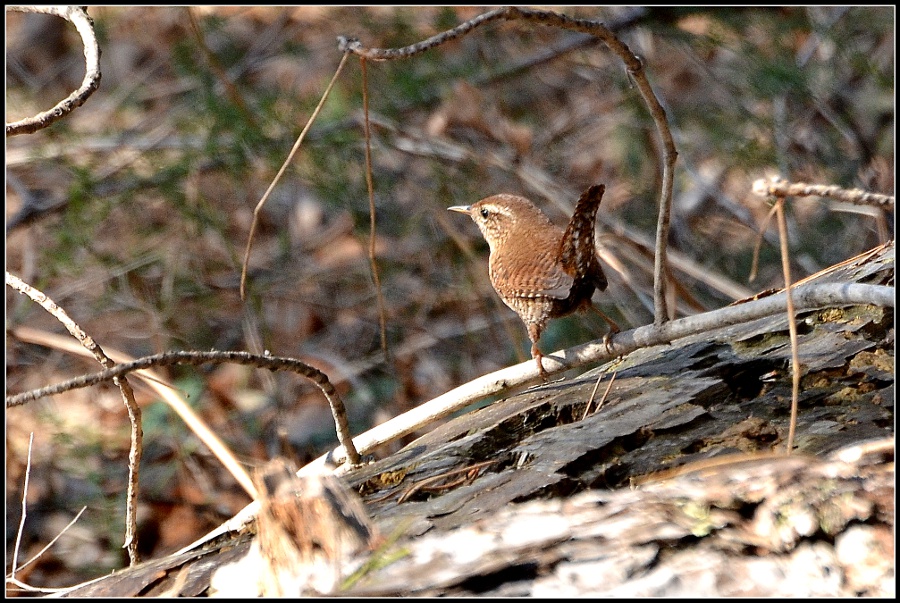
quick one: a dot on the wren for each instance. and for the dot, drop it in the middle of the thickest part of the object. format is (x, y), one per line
(539, 270)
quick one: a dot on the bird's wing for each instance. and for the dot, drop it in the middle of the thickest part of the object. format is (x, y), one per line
(538, 275)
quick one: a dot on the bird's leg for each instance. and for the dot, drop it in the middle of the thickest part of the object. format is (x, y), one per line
(534, 333)
(536, 354)
(613, 327)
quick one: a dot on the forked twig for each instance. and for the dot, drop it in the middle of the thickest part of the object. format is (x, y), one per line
(11, 578)
(134, 411)
(587, 407)
(778, 189)
(46, 547)
(754, 266)
(166, 393)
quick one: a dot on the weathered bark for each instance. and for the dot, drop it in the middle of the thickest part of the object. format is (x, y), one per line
(602, 518)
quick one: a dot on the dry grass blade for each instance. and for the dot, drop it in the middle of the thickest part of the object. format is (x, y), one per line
(15, 559)
(587, 407)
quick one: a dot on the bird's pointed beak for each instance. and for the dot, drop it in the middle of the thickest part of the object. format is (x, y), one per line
(463, 209)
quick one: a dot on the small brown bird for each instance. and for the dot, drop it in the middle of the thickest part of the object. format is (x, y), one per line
(539, 270)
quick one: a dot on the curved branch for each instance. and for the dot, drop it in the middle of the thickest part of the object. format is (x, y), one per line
(78, 16)
(134, 411)
(635, 68)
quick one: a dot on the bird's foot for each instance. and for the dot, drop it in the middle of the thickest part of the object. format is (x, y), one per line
(544, 375)
(606, 341)
(536, 354)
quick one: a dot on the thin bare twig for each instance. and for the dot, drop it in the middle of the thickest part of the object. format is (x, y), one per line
(554, 51)
(15, 559)
(635, 69)
(258, 209)
(792, 323)
(77, 16)
(426, 484)
(778, 187)
(134, 411)
(587, 408)
(353, 45)
(382, 315)
(54, 539)
(216, 67)
(754, 266)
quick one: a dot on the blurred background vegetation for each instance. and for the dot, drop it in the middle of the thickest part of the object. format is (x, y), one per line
(145, 197)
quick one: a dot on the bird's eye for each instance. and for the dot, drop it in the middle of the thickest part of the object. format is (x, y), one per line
(484, 212)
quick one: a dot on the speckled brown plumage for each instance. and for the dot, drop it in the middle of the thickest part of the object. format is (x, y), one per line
(539, 270)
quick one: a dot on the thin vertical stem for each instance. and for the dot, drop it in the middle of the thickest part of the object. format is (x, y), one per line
(382, 320)
(792, 323)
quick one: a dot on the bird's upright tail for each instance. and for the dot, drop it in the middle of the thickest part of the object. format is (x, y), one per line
(576, 251)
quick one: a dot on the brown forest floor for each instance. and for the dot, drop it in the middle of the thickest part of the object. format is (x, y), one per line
(156, 177)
